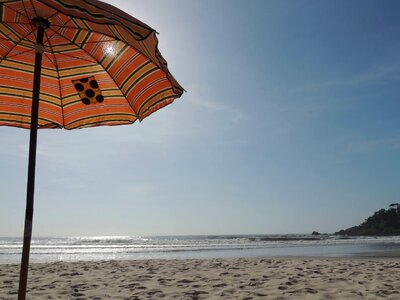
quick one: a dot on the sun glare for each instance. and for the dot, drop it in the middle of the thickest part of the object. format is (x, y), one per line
(110, 50)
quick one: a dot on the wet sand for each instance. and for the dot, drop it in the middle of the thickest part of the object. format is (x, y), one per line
(254, 278)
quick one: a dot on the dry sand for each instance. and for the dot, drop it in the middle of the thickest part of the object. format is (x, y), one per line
(255, 278)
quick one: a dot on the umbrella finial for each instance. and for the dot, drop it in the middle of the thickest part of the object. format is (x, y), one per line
(41, 22)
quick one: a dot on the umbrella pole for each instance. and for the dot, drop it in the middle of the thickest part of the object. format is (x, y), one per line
(23, 278)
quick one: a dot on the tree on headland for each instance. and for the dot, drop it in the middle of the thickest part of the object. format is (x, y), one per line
(382, 222)
(395, 206)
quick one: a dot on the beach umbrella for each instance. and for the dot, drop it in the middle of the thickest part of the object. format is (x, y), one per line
(74, 64)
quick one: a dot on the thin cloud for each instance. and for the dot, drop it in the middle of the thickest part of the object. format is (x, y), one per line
(376, 75)
(215, 106)
(372, 145)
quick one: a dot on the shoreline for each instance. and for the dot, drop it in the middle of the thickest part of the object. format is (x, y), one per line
(258, 278)
(195, 247)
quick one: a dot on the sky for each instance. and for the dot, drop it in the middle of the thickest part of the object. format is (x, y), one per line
(290, 124)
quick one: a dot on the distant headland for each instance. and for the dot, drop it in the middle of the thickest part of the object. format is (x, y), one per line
(382, 222)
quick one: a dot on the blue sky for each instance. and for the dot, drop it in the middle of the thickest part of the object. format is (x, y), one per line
(290, 124)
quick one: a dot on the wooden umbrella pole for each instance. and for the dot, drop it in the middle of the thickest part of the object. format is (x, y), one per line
(41, 24)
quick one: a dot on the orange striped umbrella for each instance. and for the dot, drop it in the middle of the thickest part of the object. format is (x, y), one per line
(73, 64)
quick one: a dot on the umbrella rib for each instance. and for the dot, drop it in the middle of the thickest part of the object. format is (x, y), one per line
(66, 44)
(33, 6)
(133, 32)
(77, 58)
(7, 39)
(51, 60)
(53, 15)
(19, 53)
(56, 31)
(18, 12)
(81, 44)
(59, 79)
(15, 45)
(18, 23)
(144, 51)
(113, 38)
(48, 37)
(27, 15)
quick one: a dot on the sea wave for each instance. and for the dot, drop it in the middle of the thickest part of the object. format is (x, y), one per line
(128, 247)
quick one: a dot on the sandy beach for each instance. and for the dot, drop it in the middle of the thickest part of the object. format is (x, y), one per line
(254, 278)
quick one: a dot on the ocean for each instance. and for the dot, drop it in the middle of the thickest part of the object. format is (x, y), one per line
(196, 247)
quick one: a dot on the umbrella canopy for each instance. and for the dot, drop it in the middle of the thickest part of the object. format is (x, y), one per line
(74, 64)
(100, 65)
